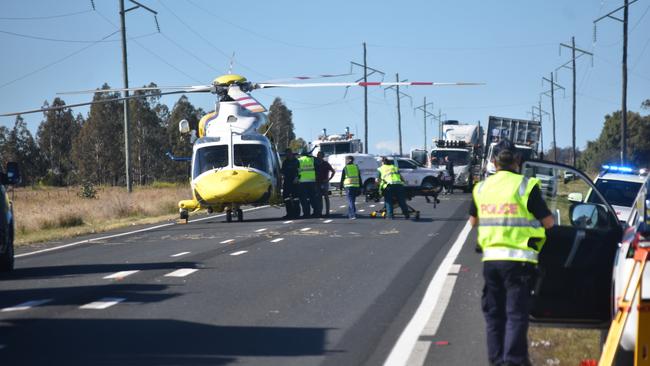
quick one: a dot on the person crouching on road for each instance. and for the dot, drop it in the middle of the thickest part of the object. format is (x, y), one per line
(351, 182)
(290, 189)
(307, 185)
(324, 173)
(511, 217)
(391, 183)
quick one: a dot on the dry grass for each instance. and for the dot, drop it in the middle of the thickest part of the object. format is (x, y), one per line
(554, 346)
(55, 213)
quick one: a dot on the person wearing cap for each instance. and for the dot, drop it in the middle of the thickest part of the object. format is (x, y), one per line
(392, 184)
(324, 173)
(511, 216)
(351, 182)
(290, 190)
(307, 185)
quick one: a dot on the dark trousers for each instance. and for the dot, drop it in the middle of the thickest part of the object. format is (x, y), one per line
(323, 197)
(352, 193)
(291, 199)
(506, 304)
(308, 198)
(395, 192)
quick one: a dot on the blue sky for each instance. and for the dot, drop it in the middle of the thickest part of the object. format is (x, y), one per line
(509, 45)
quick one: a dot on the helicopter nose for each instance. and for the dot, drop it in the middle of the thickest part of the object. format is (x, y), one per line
(232, 186)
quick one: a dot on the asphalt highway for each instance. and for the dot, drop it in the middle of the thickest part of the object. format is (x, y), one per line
(327, 291)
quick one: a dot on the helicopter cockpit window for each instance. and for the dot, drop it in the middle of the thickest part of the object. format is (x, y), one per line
(210, 157)
(252, 156)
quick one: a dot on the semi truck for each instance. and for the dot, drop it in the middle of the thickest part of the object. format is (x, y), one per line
(525, 134)
(462, 145)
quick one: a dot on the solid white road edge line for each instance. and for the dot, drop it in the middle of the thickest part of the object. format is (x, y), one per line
(120, 274)
(103, 303)
(401, 352)
(26, 305)
(181, 272)
(179, 254)
(123, 234)
(239, 252)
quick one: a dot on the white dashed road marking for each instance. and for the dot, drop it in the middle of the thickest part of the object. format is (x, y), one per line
(305, 229)
(27, 305)
(180, 254)
(373, 205)
(104, 303)
(277, 240)
(362, 210)
(328, 221)
(288, 222)
(260, 230)
(342, 206)
(181, 272)
(120, 275)
(239, 252)
(227, 241)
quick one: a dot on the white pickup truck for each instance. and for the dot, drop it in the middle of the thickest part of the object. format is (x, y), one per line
(416, 175)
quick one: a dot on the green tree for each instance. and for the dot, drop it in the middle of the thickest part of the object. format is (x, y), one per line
(147, 137)
(55, 137)
(99, 146)
(297, 145)
(20, 146)
(279, 125)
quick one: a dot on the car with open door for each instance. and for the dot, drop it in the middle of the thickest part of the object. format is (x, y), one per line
(574, 282)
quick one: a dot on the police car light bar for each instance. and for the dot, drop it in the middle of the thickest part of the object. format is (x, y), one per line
(616, 168)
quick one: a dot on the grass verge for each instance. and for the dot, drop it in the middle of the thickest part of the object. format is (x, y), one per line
(46, 214)
(561, 346)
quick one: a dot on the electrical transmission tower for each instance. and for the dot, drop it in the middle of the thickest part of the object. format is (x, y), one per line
(365, 91)
(573, 68)
(427, 114)
(399, 96)
(538, 112)
(626, 4)
(551, 93)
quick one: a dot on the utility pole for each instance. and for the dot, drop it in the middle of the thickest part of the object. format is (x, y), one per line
(539, 114)
(626, 4)
(573, 68)
(423, 108)
(439, 119)
(552, 95)
(365, 99)
(399, 95)
(125, 74)
(366, 74)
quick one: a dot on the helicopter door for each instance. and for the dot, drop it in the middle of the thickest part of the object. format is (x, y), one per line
(574, 279)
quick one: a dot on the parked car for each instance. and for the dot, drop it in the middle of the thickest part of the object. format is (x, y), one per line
(367, 164)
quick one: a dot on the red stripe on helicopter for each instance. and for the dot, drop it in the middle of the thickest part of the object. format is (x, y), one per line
(369, 83)
(244, 98)
(249, 104)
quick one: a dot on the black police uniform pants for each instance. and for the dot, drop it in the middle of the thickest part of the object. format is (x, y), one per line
(308, 198)
(506, 304)
(291, 199)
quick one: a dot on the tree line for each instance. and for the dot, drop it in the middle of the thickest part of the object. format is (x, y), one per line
(70, 149)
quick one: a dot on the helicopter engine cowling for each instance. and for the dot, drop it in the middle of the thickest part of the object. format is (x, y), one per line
(231, 117)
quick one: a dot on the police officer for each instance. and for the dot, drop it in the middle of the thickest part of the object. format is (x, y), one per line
(390, 182)
(511, 217)
(307, 185)
(290, 190)
(351, 182)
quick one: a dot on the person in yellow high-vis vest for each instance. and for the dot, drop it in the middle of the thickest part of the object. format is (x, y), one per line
(512, 217)
(307, 185)
(351, 182)
(392, 186)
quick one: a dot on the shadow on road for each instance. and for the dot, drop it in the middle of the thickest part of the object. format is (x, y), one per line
(81, 269)
(149, 342)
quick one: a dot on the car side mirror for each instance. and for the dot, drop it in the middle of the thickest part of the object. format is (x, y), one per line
(587, 216)
(575, 197)
(12, 175)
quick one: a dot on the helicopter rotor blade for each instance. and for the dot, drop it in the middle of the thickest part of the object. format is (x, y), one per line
(189, 89)
(41, 110)
(361, 83)
(322, 76)
(245, 100)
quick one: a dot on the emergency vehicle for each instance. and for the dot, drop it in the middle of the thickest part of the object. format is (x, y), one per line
(344, 143)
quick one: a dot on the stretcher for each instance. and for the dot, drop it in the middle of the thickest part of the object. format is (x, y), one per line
(373, 194)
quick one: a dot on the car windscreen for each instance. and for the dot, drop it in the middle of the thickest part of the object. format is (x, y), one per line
(616, 192)
(252, 156)
(210, 157)
(336, 148)
(456, 157)
(526, 154)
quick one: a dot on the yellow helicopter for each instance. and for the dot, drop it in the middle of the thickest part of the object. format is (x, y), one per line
(232, 163)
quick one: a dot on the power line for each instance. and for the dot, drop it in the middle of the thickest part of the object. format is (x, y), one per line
(188, 52)
(58, 60)
(206, 40)
(47, 16)
(70, 40)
